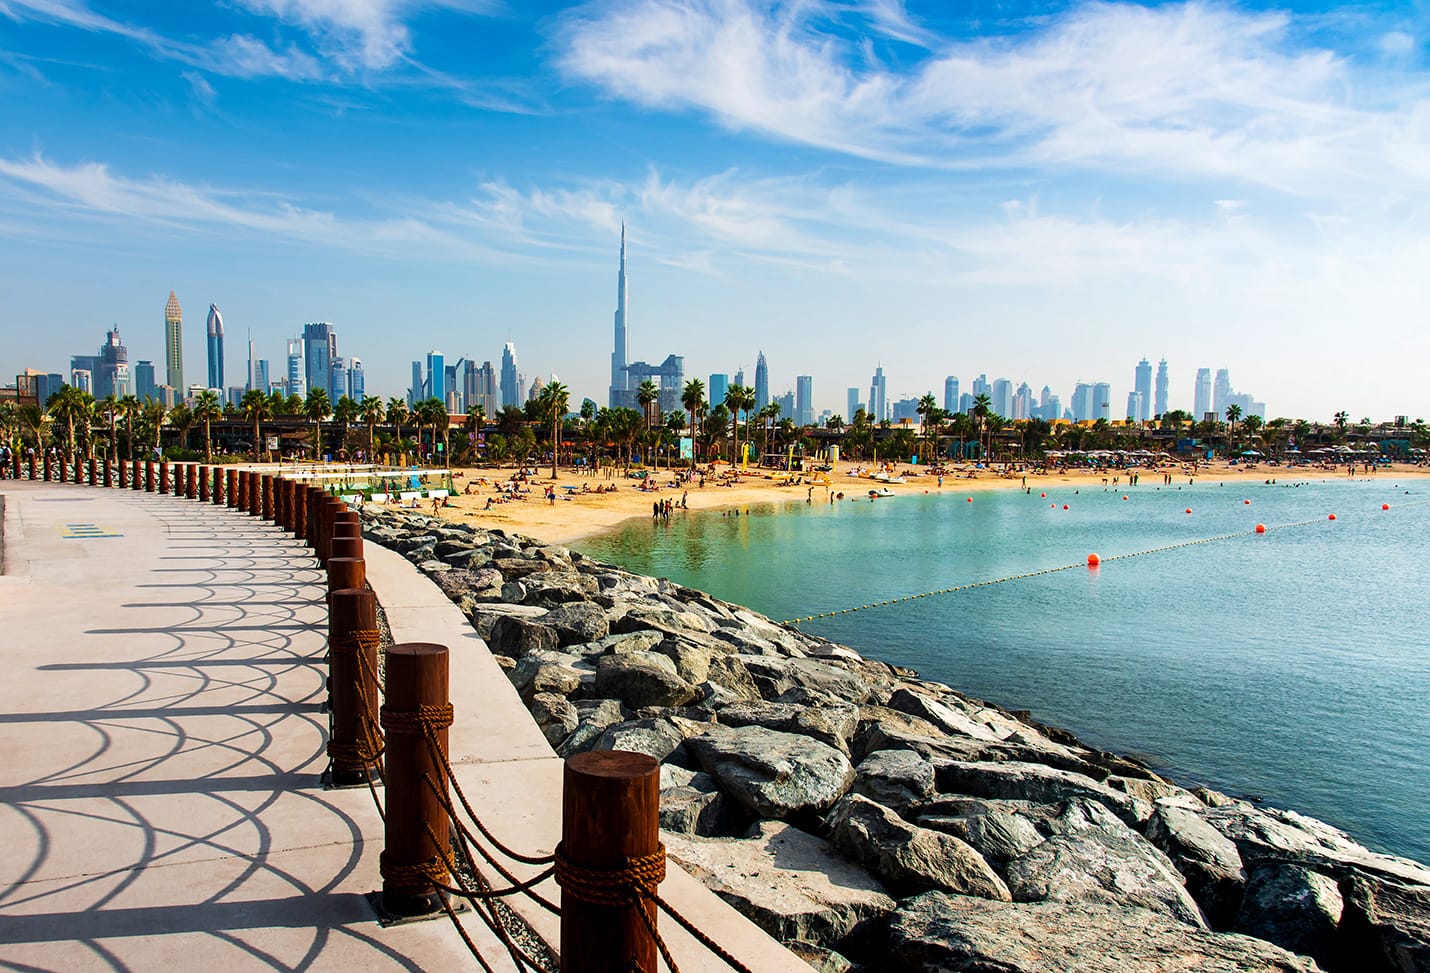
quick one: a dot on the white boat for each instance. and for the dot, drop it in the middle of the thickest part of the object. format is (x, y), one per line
(883, 492)
(887, 478)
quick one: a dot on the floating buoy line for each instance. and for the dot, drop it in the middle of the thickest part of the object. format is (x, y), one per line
(1093, 561)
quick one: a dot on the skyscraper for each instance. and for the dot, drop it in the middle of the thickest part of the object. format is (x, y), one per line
(144, 380)
(762, 382)
(877, 408)
(1202, 395)
(853, 404)
(215, 348)
(112, 375)
(803, 400)
(436, 376)
(1102, 401)
(320, 347)
(1134, 405)
(357, 381)
(414, 394)
(1002, 396)
(620, 380)
(1159, 398)
(253, 382)
(950, 394)
(719, 386)
(1083, 408)
(173, 343)
(297, 383)
(1142, 385)
(510, 381)
(1221, 392)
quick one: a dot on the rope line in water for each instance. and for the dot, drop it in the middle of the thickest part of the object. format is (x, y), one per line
(1066, 567)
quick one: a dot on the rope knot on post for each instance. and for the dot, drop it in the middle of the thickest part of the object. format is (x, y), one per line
(420, 875)
(356, 641)
(416, 722)
(630, 884)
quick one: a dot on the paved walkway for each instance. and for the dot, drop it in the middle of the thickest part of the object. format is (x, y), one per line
(163, 737)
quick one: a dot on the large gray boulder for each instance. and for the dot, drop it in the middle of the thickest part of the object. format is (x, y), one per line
(774, 774)
(941, 933)
(1091, 856)
(1293, 907)
(642, 679)
(776, 675)
(516, 636)
(555, 715)
(1206, 858)
(832, 724)
(577, 622)
(730, 674)
(700, 808)
(657, 737)
(484, 615)
(1386, 926)
(998, 830)
(941, 715)
(894, 778)
(545, 671)
(789, 883)
(1019, 781)
(908, 858)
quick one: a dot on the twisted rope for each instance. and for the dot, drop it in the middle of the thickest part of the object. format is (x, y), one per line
(620, 887)
(355, 641)
(415, 875)
(416, 722)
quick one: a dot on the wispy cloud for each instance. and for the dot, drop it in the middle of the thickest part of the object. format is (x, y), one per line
(1189, 90)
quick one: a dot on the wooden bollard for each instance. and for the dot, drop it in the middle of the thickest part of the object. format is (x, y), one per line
(232, 477)
(239, 500)
(610, 817)
(217, 496)
(327, 510)
(109, 475)
(163, 476)
(94, 471)
(150, 476)
(353, 639)
(49, 465)
(191, 481)
(343, 547)
(269, 501)
(280, 498)
(298, 511)
(255, 498)
(63, 468)
(32, 466)
(346, 572)
(205, 476)
(313, 498)
(136, 474)
(416, 703)
(123, 475)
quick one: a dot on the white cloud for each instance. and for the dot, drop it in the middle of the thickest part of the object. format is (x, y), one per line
(1190, 90)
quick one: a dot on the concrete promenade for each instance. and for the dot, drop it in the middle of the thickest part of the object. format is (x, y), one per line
(163, 737)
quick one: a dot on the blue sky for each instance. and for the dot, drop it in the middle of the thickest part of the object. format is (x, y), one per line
(1045, 193)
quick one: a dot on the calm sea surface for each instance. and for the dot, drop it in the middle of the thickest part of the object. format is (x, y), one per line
(1292, 666)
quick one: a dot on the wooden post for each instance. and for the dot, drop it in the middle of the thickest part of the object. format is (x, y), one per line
(32, 465)
(109, 474)
(312, 500)
(327, 510)
(416, 684)
(298, 513)
(232, 477)
(136, 474)
(270, 502)
(164, 476)
(610, 813)
(191, 481)
(205, 475)
(217, 494)
(342, 547)
(280, 502)
(94, 471)
(352, 667)
(123, 475)
(149, 476)
(48, 466)
(346, 572)
(63, 468)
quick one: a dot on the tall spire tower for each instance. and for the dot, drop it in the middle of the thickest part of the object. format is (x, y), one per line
(174, 345)
(620, 379)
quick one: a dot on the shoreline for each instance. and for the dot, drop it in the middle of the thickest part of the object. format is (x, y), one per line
(577, 516)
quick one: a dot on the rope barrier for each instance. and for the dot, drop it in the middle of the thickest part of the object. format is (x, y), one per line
(1044, 571)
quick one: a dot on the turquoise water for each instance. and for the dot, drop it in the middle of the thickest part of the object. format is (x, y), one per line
(1292, 666)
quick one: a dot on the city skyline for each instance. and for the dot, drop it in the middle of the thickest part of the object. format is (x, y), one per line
(892, 183)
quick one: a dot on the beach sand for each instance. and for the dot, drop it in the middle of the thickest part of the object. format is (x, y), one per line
(576, 515)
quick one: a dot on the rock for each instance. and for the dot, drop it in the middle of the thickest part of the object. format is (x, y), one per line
(773, 774)
(775, 676)
(819, 958)
(944, 717)
(1091, 856)
(519, 567)
(1016, 780)
(789, 883)
(691, 658)
(708, 813)
(940, 933)
(1386, 926)
(642, 641)
(1206, 858)
(642, 617)
(656, 737)
(483, 616)
(642, 679)
(1293, 907)
(907, 858)
(1146, 789)
(894, 778)
(576, 622)
(553, 588)
(555, 716)
(515, 636)
(548, 671)
(594, 715)
(731, 675)
(832, 724)
(998, 830)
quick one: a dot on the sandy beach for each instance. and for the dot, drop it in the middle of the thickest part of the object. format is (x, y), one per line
(579, 511)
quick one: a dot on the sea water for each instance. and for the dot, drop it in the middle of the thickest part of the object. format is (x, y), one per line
(1291, 666)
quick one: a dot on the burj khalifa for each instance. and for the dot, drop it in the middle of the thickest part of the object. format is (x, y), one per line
(620, 378)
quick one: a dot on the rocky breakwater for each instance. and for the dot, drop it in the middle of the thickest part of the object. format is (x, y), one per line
(877, 820)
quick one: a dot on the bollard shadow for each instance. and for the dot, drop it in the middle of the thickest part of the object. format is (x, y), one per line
(181, 795)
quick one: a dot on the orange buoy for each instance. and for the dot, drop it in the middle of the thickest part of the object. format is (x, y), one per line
(1189, 510)
(1065, 506)
(970, 499)
(1043, 495)
(1093, 560)
(1331, 517)
(1124, 497)
(1385, 506)
(1261, 528)
(1246, 501)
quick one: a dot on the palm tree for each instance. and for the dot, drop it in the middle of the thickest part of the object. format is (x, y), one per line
(152, 418)
(181, 418)
(34, 418)
(555, 400)
(982, 408)
(1342, 419)
(345, 412)
(693, 398)
(927, 408)
(109, 407)
(206, 410)
(256, 407)
(130, 406)
(645, 395)
(371, 408)
(67, 407)
(1233, 413)
(317, 407)
(397, 413)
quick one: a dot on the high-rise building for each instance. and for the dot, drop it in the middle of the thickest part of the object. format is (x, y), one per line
(173, 343)
(510, 380)
(261, 378)
(482, 391)
(1142, 385)
(878, 385)
(1159, 397)
(1002, 396)
(1134, 406)
(144, 387)
(787, 404)
(82, 379)
(1221, 392)
(762, 382)
(980, 385)
(740, 376)
(297, 376)
(251, 381)
(719, 387)
(1022, 403)
(804, 400)
(356, 380)
(950, 394)
(436, 385)
(1202, 395)
(1102, 401)
(320, 347)
(112, 376)
(235, 395)
(1083, 408)
(852, 404)
(620, 379)
(215, 330)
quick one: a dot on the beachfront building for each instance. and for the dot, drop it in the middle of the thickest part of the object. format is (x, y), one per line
(804, 400)
(762, 382)
(173, 343)
(1142, 388)
(1202, 394)
(950, 394)
(620, 376)
(215, 347)
(1159, 398)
